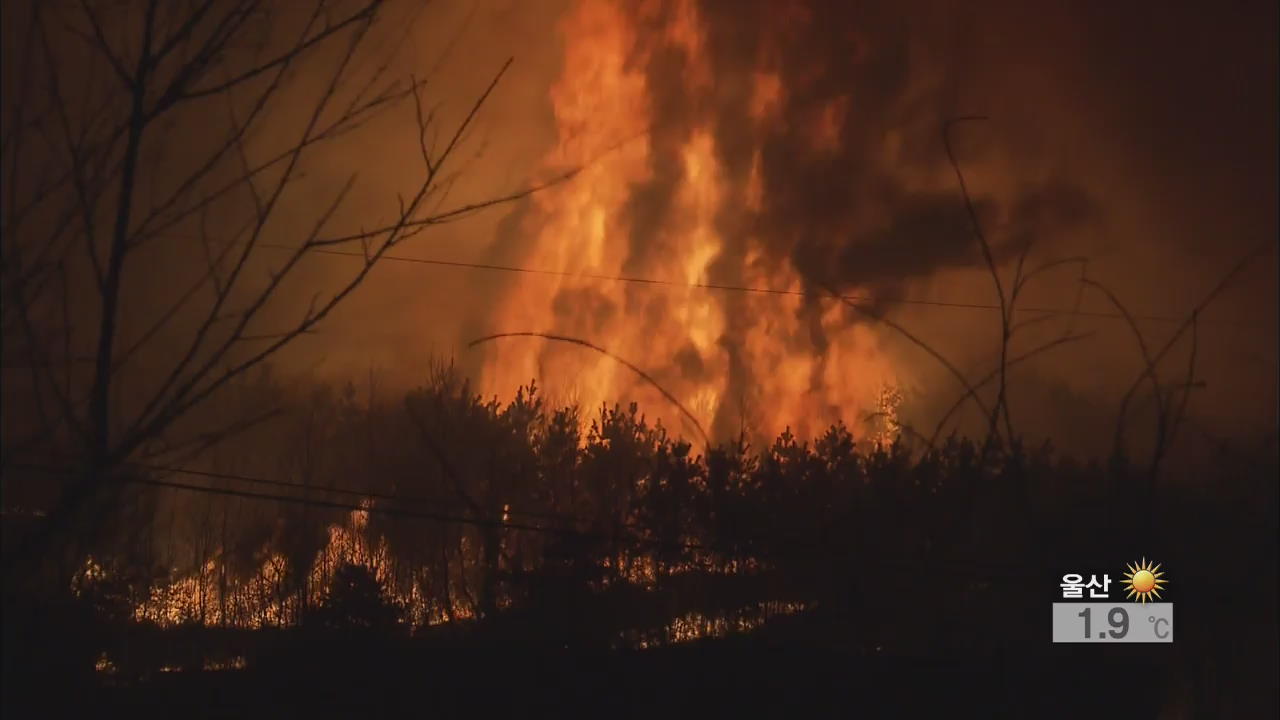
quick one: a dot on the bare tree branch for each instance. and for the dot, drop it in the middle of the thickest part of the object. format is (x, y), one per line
(986, 379)
(104, 147)
(1200, 307)
(100, 42)
(1149, 365)
(970, 393)
(178, 90)
(624, 362)
(1189, 382)
(1005, 314)
(99, 410)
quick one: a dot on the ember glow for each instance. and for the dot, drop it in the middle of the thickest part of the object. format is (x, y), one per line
(655, 202)
(206, 597)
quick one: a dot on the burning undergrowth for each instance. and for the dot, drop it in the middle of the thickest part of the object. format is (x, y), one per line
(438, 515)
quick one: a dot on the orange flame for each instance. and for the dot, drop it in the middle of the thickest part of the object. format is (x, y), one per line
(258, 601)
(684, 337)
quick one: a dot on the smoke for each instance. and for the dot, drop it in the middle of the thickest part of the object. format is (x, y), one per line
(797, 146)
(826, 121)
(854, 188)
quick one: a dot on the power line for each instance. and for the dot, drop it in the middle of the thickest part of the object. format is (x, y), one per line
(393, 511)
(419, 515)
(372, 495)
(861, 299)
(808, 545)
(438, 517)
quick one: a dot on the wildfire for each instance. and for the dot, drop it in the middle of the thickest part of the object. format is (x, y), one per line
(656, 207)
(208, 597)
(651, 201)
(697, 626)
(267, 599)
(887, 424)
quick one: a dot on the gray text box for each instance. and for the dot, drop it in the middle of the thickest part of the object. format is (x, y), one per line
(1106, 623)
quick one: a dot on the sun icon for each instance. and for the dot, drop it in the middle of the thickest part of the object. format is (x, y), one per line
(1144, 580)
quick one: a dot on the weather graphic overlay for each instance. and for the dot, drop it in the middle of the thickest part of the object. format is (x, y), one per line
(1144, 580)
(1088, 614)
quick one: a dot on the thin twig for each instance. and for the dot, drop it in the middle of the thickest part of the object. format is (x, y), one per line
(1001, 393)
(630, 366)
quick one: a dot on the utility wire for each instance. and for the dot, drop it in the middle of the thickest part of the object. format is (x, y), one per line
(414, 499)
(431, 516)
(990, 570)
(439, 517)
(371, 495)
(420, 515)
(861, 299)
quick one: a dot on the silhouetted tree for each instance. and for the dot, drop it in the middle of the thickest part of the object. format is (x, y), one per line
(355, 601)
(133, 138)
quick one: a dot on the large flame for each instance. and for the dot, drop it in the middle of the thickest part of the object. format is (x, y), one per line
(735, 360)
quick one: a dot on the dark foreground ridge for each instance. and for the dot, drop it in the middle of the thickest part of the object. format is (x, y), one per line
(883, 582)
(719, 678)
